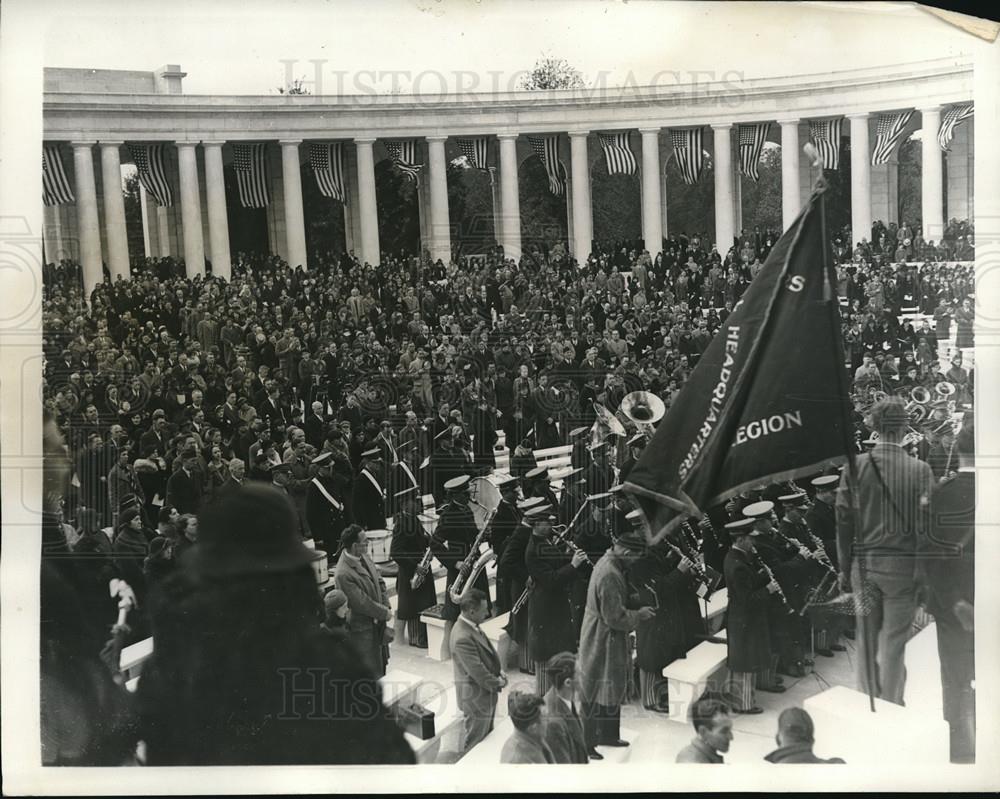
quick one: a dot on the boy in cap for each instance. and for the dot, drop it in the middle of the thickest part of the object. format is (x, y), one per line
(526, 744)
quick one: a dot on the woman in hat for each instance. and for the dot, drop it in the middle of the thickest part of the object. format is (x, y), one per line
(237, 630)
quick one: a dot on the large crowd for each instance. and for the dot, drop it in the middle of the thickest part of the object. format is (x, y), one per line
(351, 389)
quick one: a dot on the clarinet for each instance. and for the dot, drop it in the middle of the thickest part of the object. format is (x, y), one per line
(563, 538)
(699, 571)
(824, 556)
(770, 576)
(522, 600)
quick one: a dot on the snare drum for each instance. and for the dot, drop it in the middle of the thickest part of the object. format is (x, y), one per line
(320, 567)
(380, 540)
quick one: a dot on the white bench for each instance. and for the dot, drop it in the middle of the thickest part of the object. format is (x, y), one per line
(438, 631)
(133, 656)
(494, 627)
(689, 677)
(846, 727)
(399, 686)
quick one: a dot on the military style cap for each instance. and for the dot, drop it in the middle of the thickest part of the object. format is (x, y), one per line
(531, 502)
(826, 482)
(457, 483)
(538, 473)
(505, 480)
(739, 527)
(374, 452)
(798, 498)
(323, 459)
(758, 510)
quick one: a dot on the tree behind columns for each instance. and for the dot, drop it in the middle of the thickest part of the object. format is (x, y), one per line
(543, 215)
(324, 219)
(691, 209)
(398, 210)
(133, 216)
(762, 200)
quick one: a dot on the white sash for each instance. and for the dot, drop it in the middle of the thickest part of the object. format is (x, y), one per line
(408, 472)
(327, 494)
(374, 482)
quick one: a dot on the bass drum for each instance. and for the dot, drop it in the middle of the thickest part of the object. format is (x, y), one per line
(484, 499)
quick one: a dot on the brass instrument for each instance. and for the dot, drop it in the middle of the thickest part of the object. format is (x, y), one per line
(422, 570)
(917, 407)
(522, 600)
(770, 576)
(473, 564)
(644, 409)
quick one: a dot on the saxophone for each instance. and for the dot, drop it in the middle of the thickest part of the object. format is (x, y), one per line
(473, 565)
(525, 595)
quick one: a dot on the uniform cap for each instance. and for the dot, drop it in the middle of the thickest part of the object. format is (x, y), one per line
(457, 483)
(758, 510)
(826, 482)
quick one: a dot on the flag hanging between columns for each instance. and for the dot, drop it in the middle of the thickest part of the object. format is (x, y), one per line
(689, 153)
(404, 157)
(55, 184)
(476, 151)
(618, 153)
(547, 149)
(767, 400)
(825, 134)
(952, 118)
(250, 161)
(148, 160)
(327, 162)
(888, 132)
(751, 139)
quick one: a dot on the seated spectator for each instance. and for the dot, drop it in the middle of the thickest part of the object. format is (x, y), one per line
(526, 744)
(713, 729)
(795, 739)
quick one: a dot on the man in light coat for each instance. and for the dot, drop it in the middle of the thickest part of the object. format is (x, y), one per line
(604, 654)
(478, 676)
(367, 597)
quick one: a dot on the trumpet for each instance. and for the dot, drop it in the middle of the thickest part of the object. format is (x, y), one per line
(770, 576)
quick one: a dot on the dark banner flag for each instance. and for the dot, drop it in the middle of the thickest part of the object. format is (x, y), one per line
(767, 400)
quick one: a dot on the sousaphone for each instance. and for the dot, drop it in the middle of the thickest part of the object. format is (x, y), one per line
(644, 409)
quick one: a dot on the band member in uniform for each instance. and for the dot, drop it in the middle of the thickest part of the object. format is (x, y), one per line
(368, 501)
(505, 522)
(552, 568)
(453, 539)
(751, 595)
(325, 505)
(409, 543)
(822, 516)
(579, 457)
(572, 495)
(784, 560)
(666, 582)
(514, 572)
(636, 445)
(401, 477)
(446, 463)
(600, 475)
(604, 663)
(536, 484)
(951, 574)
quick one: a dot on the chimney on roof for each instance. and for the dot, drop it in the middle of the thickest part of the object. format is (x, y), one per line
(168, 79)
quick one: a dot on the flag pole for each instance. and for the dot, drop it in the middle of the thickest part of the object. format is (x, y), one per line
(830, 295)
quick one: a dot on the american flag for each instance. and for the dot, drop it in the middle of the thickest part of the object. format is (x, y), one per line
(250, 161)
(476, 151)
(825, 134)
(55, 184)
(888, 132)
(952, 118)
(152, 175)
(688, 152)
(618, 153)
(751, 139)
(547, 148)
(327, 162)
(404, 156)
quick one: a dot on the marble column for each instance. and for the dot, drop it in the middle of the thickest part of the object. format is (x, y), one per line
(114, 210)
(440, 228)
(861, 179)
(367, 208)
(218, 217)
(931, 175)
(791, 197)
(583, 217)
(295, 222)
(194, 244)
(723, 168)
(510, 198)
(652, 230)
(147, 233)
(87, 219)
(163, 230)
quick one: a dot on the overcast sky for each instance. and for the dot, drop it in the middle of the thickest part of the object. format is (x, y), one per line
(238, 48)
